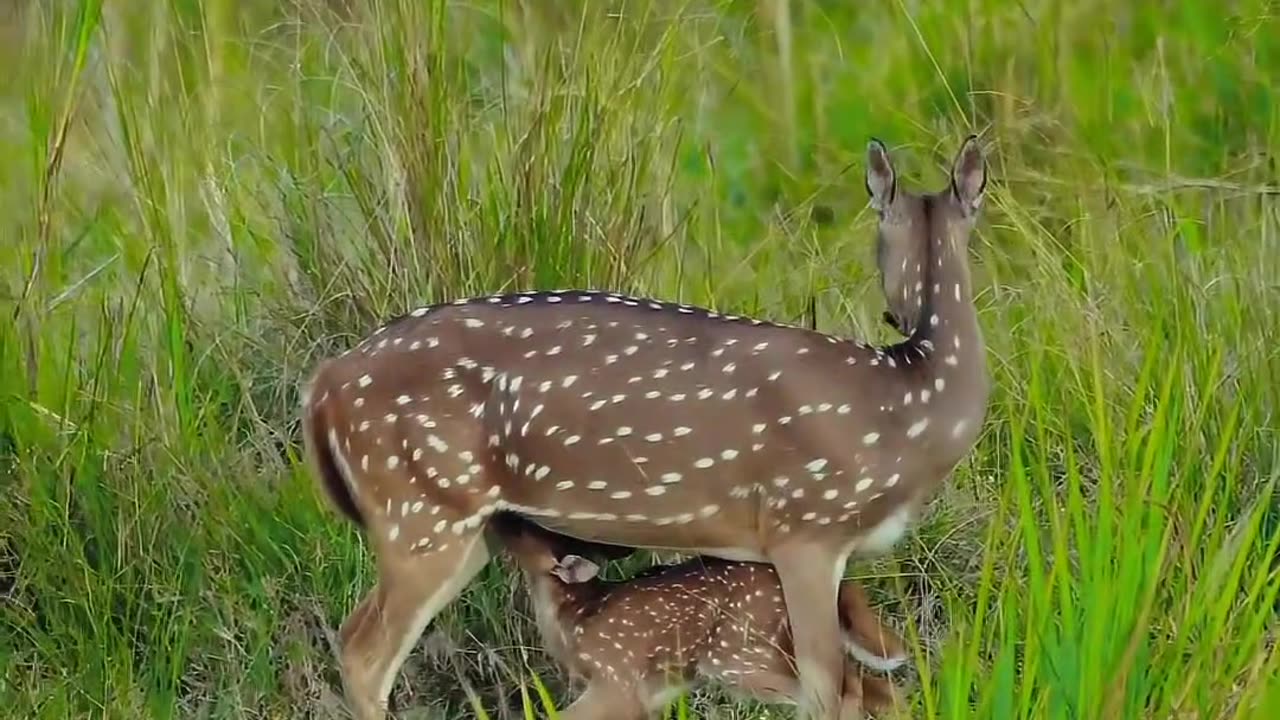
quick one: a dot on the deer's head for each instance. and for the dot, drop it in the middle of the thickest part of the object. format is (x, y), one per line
(912, 225)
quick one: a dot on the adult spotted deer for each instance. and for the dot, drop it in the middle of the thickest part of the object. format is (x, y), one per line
(637, 642)
(643, 423)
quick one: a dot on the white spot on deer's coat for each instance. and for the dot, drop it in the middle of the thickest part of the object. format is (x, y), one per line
(814, 466)
(870, 438)
(939, 384)
(917, 427)
(364, 381)
(704, 463)
(863, 484)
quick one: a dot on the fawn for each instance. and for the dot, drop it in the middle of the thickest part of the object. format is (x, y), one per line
(637, 642)
(642, 423)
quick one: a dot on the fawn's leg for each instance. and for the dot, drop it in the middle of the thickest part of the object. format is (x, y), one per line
(852, 702)
(774, 686)
(809, 575)
(605, 701)
(879, 694)
(378, 635)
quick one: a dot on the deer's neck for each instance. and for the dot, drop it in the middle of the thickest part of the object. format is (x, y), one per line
(557, 609)
(944, 359)
(946, 300)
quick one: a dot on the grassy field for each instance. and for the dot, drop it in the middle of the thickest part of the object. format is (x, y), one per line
(198, 200)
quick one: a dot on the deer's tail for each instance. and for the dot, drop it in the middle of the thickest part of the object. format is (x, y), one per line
(866, 638)
(320, 443)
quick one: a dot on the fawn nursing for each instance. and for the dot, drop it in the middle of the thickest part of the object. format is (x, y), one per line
(640, 423)
(638, 641)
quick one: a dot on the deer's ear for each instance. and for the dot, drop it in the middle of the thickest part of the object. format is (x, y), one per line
(574, 569)
(969, 175)
(882, 182)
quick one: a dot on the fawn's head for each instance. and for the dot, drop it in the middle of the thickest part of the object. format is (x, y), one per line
(542, 552)
(912, 225)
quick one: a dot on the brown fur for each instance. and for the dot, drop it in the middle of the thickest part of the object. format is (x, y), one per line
(641, 423)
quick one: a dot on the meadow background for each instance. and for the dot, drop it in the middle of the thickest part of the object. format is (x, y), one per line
(200, 199)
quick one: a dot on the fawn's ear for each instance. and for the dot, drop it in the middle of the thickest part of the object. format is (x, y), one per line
(574, 569)
(882, 182)
(969, 176)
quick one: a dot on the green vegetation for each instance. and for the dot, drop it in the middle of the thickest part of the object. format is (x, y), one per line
(200, 199)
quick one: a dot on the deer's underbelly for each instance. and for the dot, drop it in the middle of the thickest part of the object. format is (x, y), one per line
(690, 539)
(888, 532)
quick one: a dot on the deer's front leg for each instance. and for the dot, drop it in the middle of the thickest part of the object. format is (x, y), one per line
(810, 574)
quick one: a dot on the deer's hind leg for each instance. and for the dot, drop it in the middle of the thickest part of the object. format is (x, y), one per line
(412, 589)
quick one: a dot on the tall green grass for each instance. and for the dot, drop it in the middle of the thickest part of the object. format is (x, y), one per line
(200, 199)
